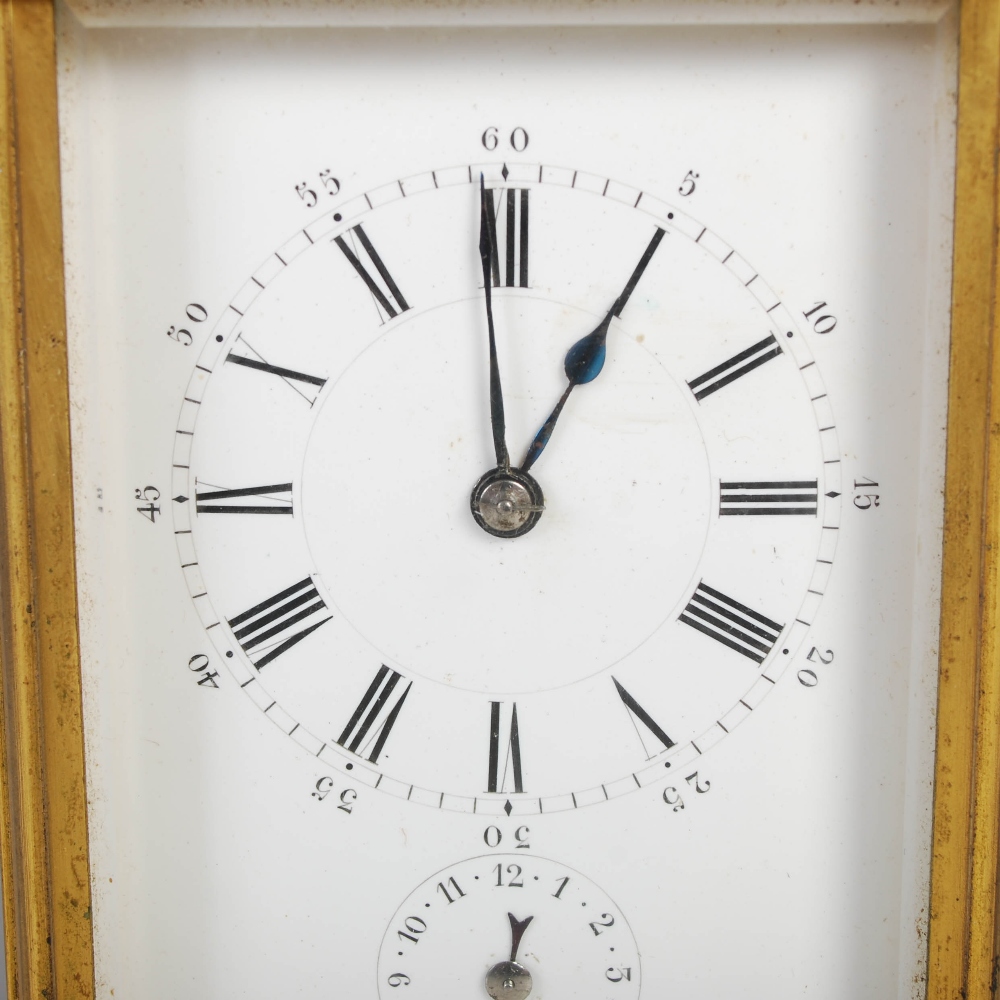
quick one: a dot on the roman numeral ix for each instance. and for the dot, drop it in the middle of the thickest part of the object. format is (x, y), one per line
(272, 627)
(786, 497)
(386, 294)
(369, 727)
(505, 749)
(514, 204)
(731, 623)
(271, 500)
(736, 367)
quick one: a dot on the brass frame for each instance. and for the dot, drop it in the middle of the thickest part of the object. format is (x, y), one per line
(43, 816)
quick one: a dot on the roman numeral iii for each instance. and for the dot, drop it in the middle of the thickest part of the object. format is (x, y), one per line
(736, 367)
(370, 725)
(505, 749)
(786, 497)
(272, 627)
(386, 293)
(269, 500)
(731, 623)
(513, 205)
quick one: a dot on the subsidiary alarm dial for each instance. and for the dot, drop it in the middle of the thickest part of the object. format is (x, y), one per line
(508, 927)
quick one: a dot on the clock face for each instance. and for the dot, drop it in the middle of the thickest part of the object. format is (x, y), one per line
(337, 419)
(511, 455)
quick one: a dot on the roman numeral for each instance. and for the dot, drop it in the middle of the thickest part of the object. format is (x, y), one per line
(637, 712)
(731, 623)
(640, 268)
(271, 627)
(386, 294)
(514, 206)
(737, 366)
(791, 497)
(376, 714)
(503, 734)
(273, 500)
(291, 378)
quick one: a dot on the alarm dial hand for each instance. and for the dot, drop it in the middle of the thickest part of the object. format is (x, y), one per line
(487, 240)
(509, 980)
(517, 929)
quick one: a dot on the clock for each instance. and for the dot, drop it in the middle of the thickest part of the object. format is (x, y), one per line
(505, 461)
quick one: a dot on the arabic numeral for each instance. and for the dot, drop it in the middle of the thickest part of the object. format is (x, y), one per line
(700, 785)
(199, 664)
(196, 313)
(807, 675)
(327, 182)
(148, 495)
(517, 141)
(688, 184)
(514, 871)
(398, 979)
(413, 926)
(307, 194)
(614, 975)
(323, 788)
(862, 500)
(599, 926)
(449, 887)
(822, 323)
(673, 798)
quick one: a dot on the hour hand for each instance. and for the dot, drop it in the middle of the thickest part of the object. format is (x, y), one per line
(584, 361)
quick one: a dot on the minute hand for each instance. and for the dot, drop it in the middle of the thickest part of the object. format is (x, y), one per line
(585, 359)
(487, 240)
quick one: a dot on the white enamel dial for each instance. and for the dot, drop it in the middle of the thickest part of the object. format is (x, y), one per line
(334, 427)
(725, 603)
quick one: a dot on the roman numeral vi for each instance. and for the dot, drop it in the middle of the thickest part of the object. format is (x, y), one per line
(505, 749)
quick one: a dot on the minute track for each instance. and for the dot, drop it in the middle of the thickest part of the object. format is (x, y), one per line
(291, 666)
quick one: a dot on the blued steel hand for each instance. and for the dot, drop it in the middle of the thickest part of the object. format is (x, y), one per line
(585, 359)
(487, 240)
(517, 929)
